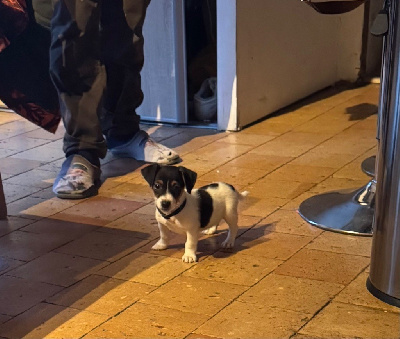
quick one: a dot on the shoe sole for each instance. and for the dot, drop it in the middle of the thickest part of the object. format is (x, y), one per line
(90, 192)
(170, 161)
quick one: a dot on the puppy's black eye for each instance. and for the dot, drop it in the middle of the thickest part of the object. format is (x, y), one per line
(157, 186)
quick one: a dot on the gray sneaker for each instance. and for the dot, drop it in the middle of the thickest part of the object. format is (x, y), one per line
(142, 147)
(78, 179)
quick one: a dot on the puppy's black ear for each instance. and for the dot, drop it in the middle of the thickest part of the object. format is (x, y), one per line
(189, 178)
(149, 173)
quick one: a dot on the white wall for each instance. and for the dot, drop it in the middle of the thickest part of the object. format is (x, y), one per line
(226, 65)
(286, 51)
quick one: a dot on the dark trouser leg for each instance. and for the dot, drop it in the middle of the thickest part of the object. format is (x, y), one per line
(123, 57)
(78, 75)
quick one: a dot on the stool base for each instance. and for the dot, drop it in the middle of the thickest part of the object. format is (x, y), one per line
(368, 166)
(344, 211)
(388, 299)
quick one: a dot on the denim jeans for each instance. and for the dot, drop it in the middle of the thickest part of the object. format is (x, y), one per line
(96, 56)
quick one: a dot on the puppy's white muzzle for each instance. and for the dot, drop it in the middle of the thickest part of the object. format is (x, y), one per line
(166, 203)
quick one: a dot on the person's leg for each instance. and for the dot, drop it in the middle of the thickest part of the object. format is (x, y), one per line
(77, 73)
(80, 79)
(123, 55)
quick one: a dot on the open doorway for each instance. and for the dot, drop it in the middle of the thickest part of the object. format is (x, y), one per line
(201, 61)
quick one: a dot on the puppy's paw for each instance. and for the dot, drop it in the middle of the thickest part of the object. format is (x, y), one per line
(159, 246)
(190, 258)
(210, 230)
(228, 243)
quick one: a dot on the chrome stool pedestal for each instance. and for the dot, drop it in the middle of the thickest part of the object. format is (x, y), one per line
(384, 276)
(368, 166)
(344, 211)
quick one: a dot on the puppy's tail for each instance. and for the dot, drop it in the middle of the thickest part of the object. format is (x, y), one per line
(243, 195)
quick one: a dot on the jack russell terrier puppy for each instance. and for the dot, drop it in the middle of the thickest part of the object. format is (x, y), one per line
(182, 209)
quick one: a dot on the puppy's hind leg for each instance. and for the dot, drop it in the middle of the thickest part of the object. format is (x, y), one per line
(162, 243)
(232, 221)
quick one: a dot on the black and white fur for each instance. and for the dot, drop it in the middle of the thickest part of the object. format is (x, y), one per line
(182, 209)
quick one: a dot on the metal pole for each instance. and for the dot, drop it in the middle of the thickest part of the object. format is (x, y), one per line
(384, 277)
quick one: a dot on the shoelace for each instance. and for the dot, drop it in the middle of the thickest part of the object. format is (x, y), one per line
(75, 179)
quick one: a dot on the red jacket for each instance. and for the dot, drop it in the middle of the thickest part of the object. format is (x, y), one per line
(25, 84)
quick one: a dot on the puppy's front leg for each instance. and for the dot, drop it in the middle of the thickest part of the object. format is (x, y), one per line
(191, 246)
(210, 230)
(162, 243)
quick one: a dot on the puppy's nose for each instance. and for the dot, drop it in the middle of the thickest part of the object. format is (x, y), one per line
(165, 204)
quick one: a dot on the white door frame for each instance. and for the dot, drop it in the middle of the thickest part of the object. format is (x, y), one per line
(226, 65)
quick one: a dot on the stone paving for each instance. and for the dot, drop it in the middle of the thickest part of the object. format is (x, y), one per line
(85, 268)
